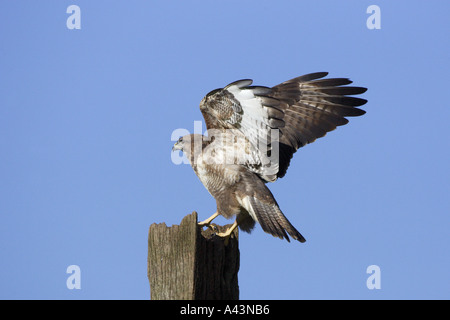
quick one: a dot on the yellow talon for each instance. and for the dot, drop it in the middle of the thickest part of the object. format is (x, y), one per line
(227, 234)
(207, 222)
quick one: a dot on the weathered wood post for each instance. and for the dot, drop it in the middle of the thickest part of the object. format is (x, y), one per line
(188, 263)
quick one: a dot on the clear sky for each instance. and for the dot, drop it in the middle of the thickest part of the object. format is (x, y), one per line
(86, 117)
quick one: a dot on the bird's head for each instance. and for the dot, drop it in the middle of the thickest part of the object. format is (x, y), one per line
(179, 145)
(191, 145)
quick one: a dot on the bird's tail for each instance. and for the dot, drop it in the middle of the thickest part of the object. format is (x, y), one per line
(272, 220)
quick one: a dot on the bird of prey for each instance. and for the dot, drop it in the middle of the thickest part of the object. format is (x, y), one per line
(252, 134)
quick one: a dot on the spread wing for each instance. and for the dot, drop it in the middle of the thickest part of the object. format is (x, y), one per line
(312, 107)
(302, 109)
(250, 109)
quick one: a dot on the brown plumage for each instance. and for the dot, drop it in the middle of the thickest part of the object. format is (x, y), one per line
(253, 132)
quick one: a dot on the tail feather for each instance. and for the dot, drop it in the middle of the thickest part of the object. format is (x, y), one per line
(273, 221)
(267, 219)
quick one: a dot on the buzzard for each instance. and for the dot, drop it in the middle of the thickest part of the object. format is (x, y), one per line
(252, 134)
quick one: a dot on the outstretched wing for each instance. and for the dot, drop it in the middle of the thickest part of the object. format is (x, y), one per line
(303, 109)
(312, 107)
(241, 106)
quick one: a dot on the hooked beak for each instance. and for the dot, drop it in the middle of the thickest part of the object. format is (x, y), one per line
(177, 146)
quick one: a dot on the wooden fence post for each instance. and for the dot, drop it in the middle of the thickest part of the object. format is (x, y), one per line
(188, 263)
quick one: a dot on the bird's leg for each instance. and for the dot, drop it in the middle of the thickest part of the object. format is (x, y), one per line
(207, 222)
(228, 233)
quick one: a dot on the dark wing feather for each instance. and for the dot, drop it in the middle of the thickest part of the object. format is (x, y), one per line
(304, 109)
(313, 107)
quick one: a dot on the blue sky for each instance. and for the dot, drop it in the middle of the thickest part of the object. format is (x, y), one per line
(86, 118)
